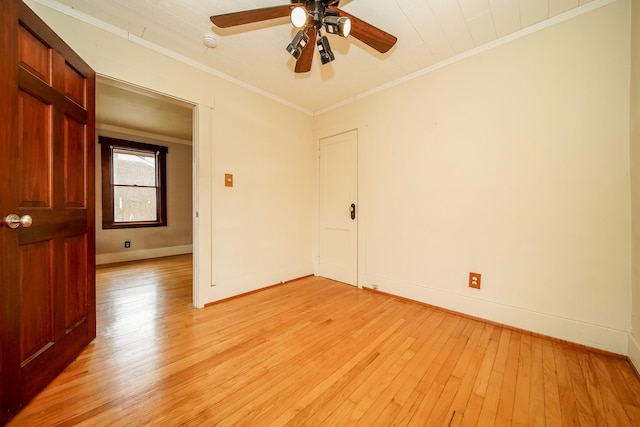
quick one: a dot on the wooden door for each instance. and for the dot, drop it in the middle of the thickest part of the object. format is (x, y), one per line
(47, 143)
(338, 239)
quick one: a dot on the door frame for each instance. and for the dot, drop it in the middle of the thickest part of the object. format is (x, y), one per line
(194, 166)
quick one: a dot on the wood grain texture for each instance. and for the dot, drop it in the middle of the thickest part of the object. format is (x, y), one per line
(317, 352)
(368, 34)
(303, 64)
(250, 16)
(47, 290)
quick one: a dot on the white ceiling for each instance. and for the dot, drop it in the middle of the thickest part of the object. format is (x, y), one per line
(123, 107)
(429, 32)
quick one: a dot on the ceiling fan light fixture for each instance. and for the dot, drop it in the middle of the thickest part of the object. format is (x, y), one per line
(297, 44)
(340, 25)
(298, 16)
(326, 54)
(312, 18)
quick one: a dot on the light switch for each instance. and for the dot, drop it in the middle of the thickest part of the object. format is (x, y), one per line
(228, 180)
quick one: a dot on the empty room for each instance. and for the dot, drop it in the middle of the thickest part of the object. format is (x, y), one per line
(411, 212)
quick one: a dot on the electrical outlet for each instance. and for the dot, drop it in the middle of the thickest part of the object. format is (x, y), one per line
(474, 280)
(127, 244)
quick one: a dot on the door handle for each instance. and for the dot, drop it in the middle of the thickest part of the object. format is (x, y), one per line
(14, 221)
(352, 209)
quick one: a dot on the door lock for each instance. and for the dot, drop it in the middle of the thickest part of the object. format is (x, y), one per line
(352, 209)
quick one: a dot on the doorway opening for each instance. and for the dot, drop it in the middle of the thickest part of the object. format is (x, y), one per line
(128, 112)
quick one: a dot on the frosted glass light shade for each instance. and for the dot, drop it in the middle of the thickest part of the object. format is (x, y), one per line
(298, 16)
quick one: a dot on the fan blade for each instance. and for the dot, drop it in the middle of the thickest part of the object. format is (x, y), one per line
(368, 34)
(232, 19)
(303, 65)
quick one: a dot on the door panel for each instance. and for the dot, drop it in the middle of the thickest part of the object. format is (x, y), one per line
(74, 163)
(338, 239)
(75, 85)
(34, 160)
(36, 308)
(76, 295)
(34, 55)
(47, 308)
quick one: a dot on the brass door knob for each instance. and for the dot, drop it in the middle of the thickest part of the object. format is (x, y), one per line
(14, 221)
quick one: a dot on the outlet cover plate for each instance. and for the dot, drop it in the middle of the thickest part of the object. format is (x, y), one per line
(474, 280)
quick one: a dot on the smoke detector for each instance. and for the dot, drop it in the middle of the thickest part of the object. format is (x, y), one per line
(209, 41)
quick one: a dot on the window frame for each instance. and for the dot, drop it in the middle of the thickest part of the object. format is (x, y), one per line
(107, 146)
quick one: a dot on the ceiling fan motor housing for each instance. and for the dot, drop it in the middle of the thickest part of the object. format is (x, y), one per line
(316, 10)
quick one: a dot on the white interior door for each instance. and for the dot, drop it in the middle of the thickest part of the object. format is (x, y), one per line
(338, 230)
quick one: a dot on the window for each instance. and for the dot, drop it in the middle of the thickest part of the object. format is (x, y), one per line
(134, 190)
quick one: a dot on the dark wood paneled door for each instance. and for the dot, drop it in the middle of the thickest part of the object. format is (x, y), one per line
(47, 143)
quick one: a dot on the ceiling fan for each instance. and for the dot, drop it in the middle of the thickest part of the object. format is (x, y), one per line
(310, 16)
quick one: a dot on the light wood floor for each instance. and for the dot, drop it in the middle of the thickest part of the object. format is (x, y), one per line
(315, 352)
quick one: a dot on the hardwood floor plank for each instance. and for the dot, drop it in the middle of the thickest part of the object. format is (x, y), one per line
(425, 354)
(317, 352)
(472, 411)
(466, 371)
(381, 392)
(423, 411)
(616, 414)
(537, 395)
(314, 389)
(342, 389)
(488, 413)
(568, 404)
(625, 382)
(440, 411)
(507, 394)
(552, 409)
(523, 384)
(579, 389)
(592, 383)
(403, 395)
(482, 379)
(375, 384)
(428, 384)
(345, 356)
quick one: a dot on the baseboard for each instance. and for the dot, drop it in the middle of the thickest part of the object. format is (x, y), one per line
(634, 353)
(209, 304)
(142, 254)
(587, 334)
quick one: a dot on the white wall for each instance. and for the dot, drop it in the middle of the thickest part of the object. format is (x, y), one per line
(252, 235)
(634, 338)
(514, 164)
(262, 225)
(150, 242)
